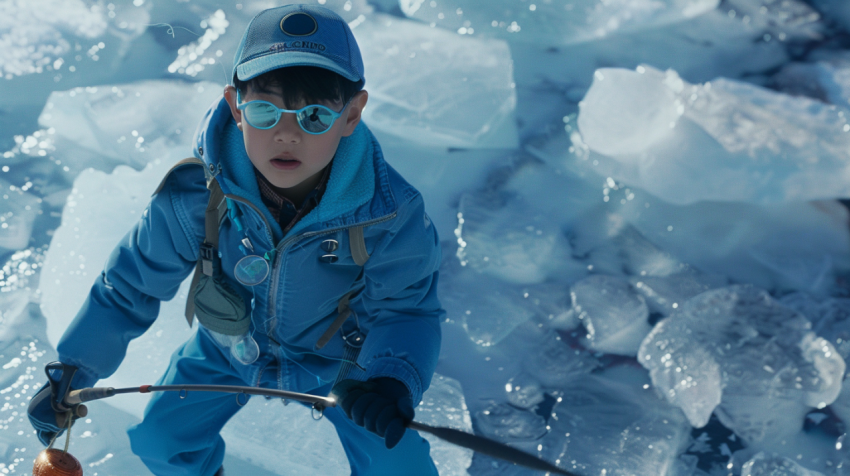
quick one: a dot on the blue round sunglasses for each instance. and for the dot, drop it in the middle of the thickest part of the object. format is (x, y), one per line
(314, 119)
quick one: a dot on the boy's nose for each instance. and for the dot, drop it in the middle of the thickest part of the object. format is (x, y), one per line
(287, 130)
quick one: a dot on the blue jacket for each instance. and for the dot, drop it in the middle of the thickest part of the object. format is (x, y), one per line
(396, 306)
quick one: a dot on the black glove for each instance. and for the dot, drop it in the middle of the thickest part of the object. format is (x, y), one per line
(47, 412)
(382, 405)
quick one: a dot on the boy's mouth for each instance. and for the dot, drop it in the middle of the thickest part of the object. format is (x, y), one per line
(285, 163)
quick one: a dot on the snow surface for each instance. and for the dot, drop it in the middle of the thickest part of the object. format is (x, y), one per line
(578, 227)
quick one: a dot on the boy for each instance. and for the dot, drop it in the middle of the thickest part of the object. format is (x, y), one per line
(315, 264)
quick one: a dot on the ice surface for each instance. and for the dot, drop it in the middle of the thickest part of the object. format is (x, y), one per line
(837, 10)
(489, 309)
(18, 211)
(614, 314)
(422, 81)
(665, 294)
(730, 141)
(785, 20)
(553, 23)
(131, 124)
(740, 353)
(287, 440)
(613, 428)
(831, 320)
(703, 48)
(507, 423)
(765, 464)
(35, 39)
(440, 174)
(798, 246)
(552, 362)
(497, 236)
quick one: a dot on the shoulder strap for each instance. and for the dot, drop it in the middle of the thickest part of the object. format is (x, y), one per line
(358, 245)
(190, 160)
(215, 212)
(358, 252)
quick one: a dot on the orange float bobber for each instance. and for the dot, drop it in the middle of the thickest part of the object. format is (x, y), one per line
(51, 462)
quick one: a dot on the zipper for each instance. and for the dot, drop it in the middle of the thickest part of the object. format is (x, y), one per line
(285, 243)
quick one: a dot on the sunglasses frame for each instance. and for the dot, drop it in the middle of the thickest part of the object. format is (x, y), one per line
(279, 111)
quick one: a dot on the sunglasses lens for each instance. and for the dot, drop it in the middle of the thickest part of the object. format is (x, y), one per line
(316, 119)
(262, 115)
(251, 270)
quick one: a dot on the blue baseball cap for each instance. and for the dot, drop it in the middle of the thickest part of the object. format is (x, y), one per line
(298, 35)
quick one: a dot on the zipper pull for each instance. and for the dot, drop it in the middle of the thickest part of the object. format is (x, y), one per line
(247, 243)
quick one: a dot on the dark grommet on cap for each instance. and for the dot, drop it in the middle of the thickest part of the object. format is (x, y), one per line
(201, 151)
(298, 24)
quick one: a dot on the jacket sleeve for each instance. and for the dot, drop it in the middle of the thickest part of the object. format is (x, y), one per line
(146, 267)
(401, 296)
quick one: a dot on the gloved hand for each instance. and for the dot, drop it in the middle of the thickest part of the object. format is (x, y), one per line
(382, 405)
(46, 413)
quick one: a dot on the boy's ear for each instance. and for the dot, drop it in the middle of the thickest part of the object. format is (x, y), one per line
(355, 110)
(230, 97)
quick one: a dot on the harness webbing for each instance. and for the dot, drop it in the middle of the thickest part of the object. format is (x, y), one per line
(213, 216)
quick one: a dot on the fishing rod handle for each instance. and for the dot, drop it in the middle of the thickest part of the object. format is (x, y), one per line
(75, 397)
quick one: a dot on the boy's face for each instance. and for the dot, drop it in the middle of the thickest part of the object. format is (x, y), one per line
(288, 157)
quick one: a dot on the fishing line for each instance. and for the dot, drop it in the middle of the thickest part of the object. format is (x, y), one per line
(170, 30)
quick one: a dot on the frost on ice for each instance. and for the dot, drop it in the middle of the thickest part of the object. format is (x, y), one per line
(739, 353)
(722, 140)
(553, 23)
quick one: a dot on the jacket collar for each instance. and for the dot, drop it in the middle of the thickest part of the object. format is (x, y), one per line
(358, 173)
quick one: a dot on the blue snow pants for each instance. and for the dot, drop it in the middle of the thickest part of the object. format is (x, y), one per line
(180, 436)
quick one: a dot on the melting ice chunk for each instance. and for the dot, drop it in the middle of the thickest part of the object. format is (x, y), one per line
(731, 141)
(105, 126)
(758, 355)
(553, 23)
(613, 313)
(423, 83)
(767, 464)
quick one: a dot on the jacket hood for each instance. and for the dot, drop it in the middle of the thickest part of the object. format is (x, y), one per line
(352, 181)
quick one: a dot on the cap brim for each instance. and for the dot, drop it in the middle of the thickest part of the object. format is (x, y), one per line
(257, 66)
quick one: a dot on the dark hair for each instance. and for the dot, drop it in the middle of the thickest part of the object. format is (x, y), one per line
(307, 83)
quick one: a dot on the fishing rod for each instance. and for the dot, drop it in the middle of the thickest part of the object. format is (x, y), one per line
(480, 444)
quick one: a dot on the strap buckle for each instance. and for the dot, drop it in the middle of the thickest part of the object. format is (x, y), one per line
(354, 338)
(209, 259)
